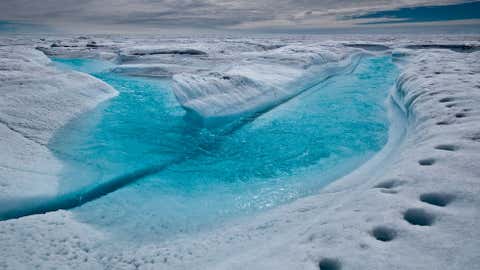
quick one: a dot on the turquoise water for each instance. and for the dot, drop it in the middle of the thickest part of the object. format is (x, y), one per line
(203, 177)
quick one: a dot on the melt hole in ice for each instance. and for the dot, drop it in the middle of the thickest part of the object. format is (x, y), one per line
(329, 264)
(389, 184)
(438, 199)
(418, 216)
(384, 234)
(443, 123)
(447, 99)
(426, 162)
(446, 147)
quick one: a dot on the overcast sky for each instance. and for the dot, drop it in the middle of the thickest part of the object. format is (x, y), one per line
(228, 15)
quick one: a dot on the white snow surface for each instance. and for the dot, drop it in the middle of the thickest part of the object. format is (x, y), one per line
(428, 173)
(36, 99)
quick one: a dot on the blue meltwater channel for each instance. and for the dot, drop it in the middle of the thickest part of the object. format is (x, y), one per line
(206, 177)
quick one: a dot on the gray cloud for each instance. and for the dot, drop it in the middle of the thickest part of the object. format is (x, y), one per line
(192, 14)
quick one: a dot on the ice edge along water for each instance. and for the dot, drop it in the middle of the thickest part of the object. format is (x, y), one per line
(243, 108)
(31, 110)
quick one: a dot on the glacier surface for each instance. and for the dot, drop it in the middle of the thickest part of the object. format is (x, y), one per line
(416, 208)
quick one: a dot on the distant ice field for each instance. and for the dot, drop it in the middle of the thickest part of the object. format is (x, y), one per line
(201, 176)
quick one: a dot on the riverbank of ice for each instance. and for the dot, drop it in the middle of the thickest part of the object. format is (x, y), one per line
(36, 99)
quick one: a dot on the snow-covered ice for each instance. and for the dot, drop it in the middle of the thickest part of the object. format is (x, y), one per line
(36, 99)
(414, 206)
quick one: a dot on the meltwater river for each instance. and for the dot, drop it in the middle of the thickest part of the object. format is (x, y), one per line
(202, 177)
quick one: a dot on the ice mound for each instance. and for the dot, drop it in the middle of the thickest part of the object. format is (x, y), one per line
(464, 48)
(401, 53)
(143, 70)
(368, 46)
(152, 70)
(257, 81)
(148, 50)
(33, 100)
(36, 99)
